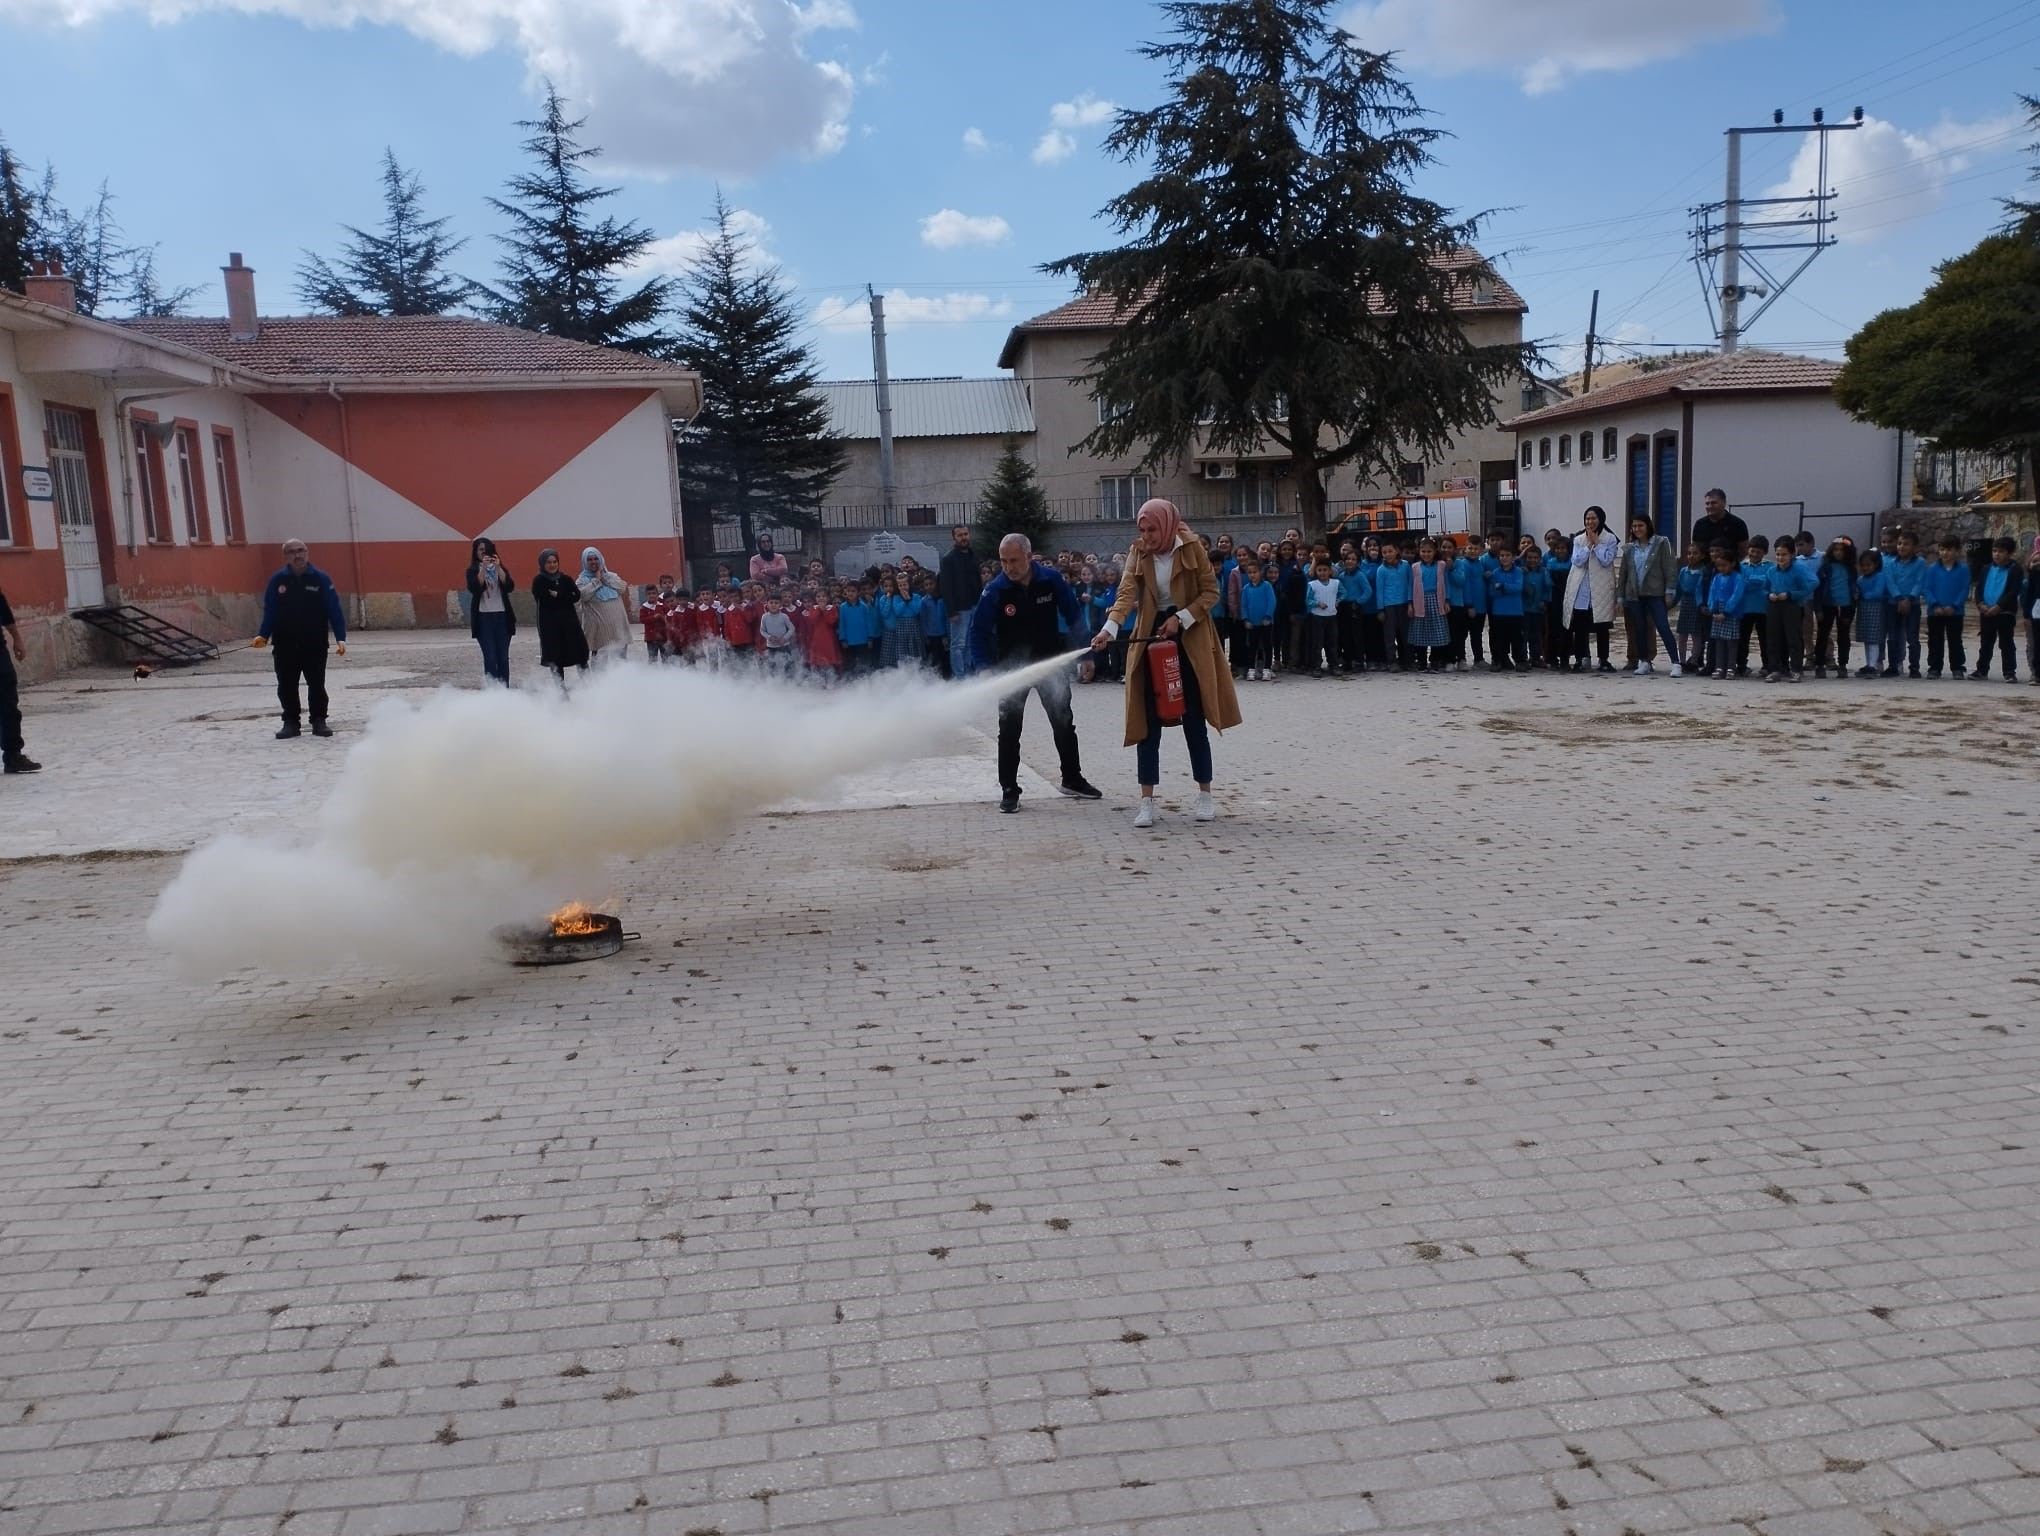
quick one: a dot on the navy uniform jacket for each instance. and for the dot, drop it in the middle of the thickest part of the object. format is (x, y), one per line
(297, 610)
(1016, 622)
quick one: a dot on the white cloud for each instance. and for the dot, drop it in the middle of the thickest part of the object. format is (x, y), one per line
(1055, 146)
(949, 228)
(1880, 173)
(975, 141)
(720, 85)
(676, 253)
(1087, 111)
(1549, 44)
(902, 308)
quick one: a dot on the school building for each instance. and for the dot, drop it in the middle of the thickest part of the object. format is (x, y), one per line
(161, 462)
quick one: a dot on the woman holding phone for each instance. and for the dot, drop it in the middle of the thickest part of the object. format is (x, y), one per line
(490, 620)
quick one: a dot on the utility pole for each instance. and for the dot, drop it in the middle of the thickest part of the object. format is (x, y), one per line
(1593, 321)
(1723, 230)
(883, 384)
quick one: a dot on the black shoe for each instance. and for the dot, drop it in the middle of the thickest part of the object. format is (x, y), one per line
(21, 763)
(320, 728)
(1080, 789)
(288, 731)
(1009, 801)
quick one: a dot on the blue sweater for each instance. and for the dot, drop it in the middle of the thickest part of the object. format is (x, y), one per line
(1947, 586)
(1725, 593)
(1505, 593)
(1692, 593)
(1906, 578)
(1795, 581)
(1536, 589)
(1392, 584)
(1472, 593)
(1756, 587)
(1355, 586)
(934, 617)
(856, 623)
(1257, 603)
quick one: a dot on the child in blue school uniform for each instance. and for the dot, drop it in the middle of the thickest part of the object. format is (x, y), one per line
(856, 629)
(1370, 609)
(1725, 595)
(1691, 598)
(1392, 599)
(934, 620)
(1787, 586)
(1905, 583)
(1536, 599)
(1505, 586)
(1752, 619)
(1257, 618)
(1469, 608)
(1873, 611)
(1946, 594)
(1356, 594)
(1834, 605)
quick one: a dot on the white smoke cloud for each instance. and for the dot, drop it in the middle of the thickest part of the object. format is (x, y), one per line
(903, 308)
(475, 810)
(951, 228)
(719, 85)
(1880, 173)
(1549, 44)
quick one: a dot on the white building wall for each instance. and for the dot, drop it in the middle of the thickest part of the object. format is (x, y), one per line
(1556, 496)
(1789, 448)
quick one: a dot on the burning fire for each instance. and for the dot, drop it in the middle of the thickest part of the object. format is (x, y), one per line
(574, 921)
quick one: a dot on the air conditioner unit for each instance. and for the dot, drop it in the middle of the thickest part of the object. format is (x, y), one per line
(1221, 471)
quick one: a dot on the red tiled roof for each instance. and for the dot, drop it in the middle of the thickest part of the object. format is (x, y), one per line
(1738, 373)
(400, 347)
(1103, 312)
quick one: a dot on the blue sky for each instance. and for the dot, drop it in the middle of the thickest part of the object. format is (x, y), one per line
(941, 149)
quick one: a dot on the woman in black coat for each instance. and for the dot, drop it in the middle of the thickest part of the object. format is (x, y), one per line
(560, 641)
(490, 619)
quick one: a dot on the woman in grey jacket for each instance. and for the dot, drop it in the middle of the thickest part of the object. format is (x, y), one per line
(1647, 571)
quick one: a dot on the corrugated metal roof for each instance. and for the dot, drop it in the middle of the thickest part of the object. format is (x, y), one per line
(931, 408)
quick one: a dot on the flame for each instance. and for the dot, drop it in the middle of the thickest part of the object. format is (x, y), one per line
(575, 921)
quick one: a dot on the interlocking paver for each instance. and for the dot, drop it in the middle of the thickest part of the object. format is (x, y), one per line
(1539, 1105)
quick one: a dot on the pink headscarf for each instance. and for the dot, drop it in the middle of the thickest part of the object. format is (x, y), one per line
(1167, 520)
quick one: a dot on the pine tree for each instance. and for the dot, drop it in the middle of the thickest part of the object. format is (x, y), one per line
(2022, 215)
(91, 245)
(17, 223)
(145, 296)
(561, 269)
(1011, 502)
(1281, 281)
(761, 451)
(399, 271)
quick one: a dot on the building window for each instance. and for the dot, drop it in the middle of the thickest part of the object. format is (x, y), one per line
(1252, 496)
(1608, 444)
(1586, 447)
(1636, 484)
(150, 483)
(227, 471)
(1410, 476)
(13, 494)
(1120, 496)
(1527, 450)
(191, 482)
(1544, 453)
(1564, 449)
(1111, 410)
(920, 517)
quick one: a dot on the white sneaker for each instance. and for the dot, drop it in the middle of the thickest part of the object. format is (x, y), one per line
(1641, 669)
(1677, 670)
(1145, 816)
(1206, 811)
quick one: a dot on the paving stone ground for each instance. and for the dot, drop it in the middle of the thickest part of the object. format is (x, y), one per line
(1537, 1106)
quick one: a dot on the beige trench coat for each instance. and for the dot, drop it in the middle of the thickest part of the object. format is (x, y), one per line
(1193, 589)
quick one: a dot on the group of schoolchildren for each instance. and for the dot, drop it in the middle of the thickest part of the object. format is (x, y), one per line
(1795, 603)
(823, 628)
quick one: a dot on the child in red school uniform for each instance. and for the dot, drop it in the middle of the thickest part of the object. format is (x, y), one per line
(739, 632)
(680, 626)
(824, 651)
(652, 615)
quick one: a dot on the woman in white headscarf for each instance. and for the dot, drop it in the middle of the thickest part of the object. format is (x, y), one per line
(605, 606)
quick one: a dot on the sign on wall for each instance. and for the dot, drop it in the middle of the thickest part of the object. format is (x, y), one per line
(37, 484)
(885, 548)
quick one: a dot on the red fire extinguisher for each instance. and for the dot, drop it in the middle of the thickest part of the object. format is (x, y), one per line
(1165, 677)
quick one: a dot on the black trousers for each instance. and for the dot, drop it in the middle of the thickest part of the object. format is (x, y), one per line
(1511, 650)
(1759, 624)
(1352, 651)
(291, 665)
(1944, 631)
(1556, 646)
(1055, 698)
(1997, 631)
(1260, 650)
(10, 706)
(1835, 622)
(1583, 625)
(1785, 639)
(1476, 630)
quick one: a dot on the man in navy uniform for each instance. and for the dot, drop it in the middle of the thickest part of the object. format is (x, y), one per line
(299, 609)
(1015, 622)
(16, 759)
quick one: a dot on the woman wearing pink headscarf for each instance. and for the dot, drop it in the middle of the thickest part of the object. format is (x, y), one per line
(1170, 589)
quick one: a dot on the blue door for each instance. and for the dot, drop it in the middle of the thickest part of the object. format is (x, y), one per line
(1668, 487)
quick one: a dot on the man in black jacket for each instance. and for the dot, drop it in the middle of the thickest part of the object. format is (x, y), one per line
(15, 759)
(959, 585)
(1015, 621)
(299, 608)
(1720, 528)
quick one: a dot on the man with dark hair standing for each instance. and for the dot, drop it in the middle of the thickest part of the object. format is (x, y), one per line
(1015, 621)
(1720, 527)
(959, 586)
(299, 608)
(12, 757)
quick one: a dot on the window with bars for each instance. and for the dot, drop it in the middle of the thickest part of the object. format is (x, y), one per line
(1120, 496)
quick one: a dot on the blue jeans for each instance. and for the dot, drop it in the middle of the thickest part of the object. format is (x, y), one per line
(1647, 614)
(492, 633)
(960, 664)
(1147, 757)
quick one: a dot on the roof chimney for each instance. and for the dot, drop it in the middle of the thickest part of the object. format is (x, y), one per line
(241, 322)
(46, 283)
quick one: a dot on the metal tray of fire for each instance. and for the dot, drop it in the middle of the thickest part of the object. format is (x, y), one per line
(568, 939)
